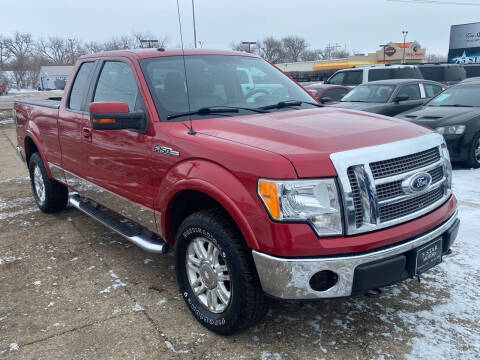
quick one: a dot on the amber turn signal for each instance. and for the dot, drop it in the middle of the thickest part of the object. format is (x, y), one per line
(104, 121)
(268, 192)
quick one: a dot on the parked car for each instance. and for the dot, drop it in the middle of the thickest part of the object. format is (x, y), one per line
(279, 195)
(455, 114)
(3, 90)
(447, 74)
(363, 74)
(390, 97)
(472, 79)
(328, 94)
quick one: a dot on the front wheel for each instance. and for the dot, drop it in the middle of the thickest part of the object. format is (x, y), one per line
(474, 154)
(216, 274)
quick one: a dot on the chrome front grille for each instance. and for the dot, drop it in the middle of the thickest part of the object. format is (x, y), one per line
(403, 164)
(377, 190)
(406, 207)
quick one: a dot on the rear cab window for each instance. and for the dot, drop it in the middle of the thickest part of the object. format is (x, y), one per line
(80, 86)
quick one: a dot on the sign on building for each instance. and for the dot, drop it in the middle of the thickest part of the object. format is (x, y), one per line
(464, 44)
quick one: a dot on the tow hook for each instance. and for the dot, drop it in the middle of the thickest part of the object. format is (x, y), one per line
(374, 293)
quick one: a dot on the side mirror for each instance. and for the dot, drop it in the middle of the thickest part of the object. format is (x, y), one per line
(401, 97)
(115, 115)
(313, 92)
(325, 99)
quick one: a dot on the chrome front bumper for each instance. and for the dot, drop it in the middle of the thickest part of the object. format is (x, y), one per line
(289, 278)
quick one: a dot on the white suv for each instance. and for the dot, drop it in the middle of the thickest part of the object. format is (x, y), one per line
(362, 74)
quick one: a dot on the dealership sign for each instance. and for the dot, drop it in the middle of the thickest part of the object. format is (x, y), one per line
(464, 44)
(390, 50)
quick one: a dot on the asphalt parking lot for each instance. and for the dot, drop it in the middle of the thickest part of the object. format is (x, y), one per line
(71, 289)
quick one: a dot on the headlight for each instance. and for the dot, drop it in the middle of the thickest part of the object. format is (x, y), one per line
(448, 165)
(451, 130)
(313, 201)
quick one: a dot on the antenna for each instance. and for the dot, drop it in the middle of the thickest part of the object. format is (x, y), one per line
(190, 128)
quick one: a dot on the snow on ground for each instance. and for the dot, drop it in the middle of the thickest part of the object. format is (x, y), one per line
(450, 330)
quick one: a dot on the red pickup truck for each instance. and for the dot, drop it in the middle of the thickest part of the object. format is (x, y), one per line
(260, 190)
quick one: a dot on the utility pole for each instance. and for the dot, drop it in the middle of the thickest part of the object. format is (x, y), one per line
(194, 27)
(249, 43)
(404, 33)
(72, 60)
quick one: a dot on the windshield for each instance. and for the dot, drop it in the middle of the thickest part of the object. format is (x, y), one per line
(217, 80)
(464, 95)
(370, 93)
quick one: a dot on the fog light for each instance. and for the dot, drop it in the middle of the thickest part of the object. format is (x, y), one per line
(323, 280)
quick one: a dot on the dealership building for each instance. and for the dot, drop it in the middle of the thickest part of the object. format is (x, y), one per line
(390, 53)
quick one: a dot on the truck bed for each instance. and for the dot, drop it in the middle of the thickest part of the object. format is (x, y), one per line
(53, 103)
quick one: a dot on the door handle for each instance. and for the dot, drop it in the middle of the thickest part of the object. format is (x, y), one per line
(87, 133)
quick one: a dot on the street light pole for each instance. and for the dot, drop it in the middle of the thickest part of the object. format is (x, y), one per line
(404, 33)
(194, 27)
(249, 43)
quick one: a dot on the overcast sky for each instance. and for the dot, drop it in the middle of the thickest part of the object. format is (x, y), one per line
(360, 25)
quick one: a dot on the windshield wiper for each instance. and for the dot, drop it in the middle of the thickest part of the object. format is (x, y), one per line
(288, 103)
(216, 110)
(205, 111)
(458, 105)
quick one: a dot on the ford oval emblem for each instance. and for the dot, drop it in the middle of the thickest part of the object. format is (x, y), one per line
(420, 182)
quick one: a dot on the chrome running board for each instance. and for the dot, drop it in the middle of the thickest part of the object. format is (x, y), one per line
(102, 215)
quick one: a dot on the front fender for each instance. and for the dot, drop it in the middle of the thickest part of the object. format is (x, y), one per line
(218, 183)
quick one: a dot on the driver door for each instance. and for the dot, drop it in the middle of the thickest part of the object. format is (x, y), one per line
(118, 162)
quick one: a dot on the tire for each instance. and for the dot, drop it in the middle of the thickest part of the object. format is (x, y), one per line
(230, 266)
(474, 152)
(50, 195)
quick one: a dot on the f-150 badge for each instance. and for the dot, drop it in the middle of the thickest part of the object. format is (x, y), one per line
(165, 150)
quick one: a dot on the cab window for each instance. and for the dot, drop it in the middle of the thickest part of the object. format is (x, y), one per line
(337, 79)
(117, 83)
(80, 87)
(432, 90)
(412, 91)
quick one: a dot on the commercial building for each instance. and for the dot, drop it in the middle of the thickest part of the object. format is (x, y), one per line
(390, 53)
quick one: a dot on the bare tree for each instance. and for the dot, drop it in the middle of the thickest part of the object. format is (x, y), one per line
(92, 47)
(271, 50)
(294, 46)
(54, 50)
(436, 58)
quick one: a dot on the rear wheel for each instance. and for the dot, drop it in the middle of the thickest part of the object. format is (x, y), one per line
(50, 195)
(474, 154)
(216, 274)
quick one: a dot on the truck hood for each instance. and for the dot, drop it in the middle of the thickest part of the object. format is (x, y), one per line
(308, 137)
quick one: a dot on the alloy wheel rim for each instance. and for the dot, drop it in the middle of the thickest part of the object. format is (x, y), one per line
(208, 275)
(39, 184)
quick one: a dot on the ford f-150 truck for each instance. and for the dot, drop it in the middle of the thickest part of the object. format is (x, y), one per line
(259, 189)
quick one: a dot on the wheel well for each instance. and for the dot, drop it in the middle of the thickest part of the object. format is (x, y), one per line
(30, 148)
(185, 204)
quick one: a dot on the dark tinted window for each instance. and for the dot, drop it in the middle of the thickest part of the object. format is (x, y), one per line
(431, 90)
(353, 77)
(394, 73)
(117, 83)
(472, 70)
(412, 91)
(337, 79)
(80, 86)
(335, 94)
(443, 73)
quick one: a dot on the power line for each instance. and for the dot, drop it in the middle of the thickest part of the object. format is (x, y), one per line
(437, 2)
